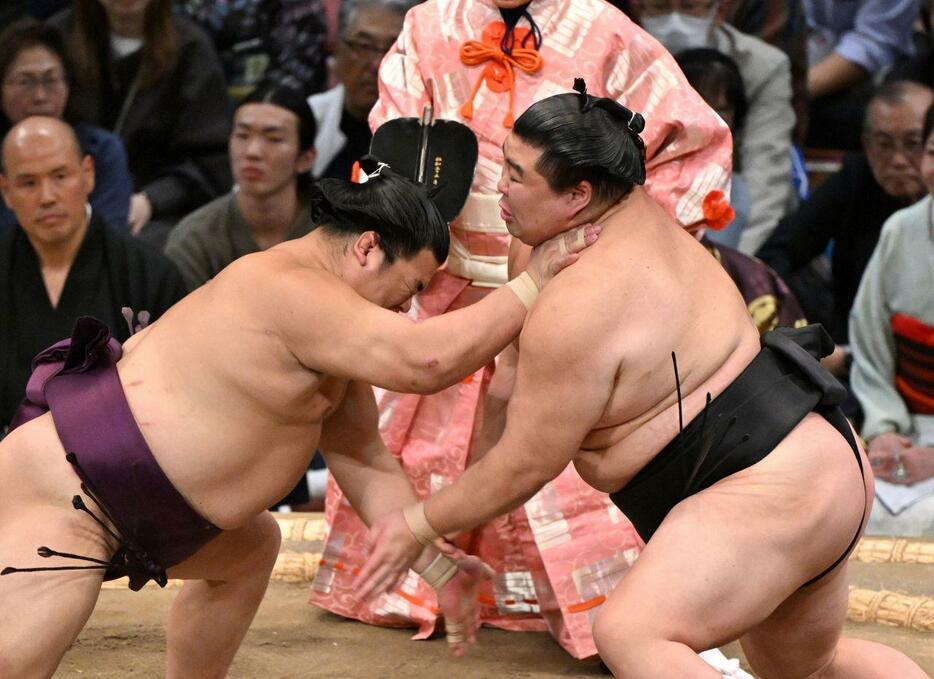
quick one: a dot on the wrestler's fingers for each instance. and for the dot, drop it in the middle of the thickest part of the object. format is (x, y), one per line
(370, 578)
(563, 263)
(579, 238)
(371, 539)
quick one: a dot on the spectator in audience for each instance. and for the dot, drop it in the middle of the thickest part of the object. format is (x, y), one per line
(63, 261)
(717, 79)
(36, 77)
(765, 143)
(366, 31)
(271, 151)
(277, 40)
(892, 337)
(851, 44)
(850, 207)
(153, 79)
(781, 24)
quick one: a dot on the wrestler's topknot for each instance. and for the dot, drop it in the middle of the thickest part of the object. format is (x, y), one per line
(398, 209)
(583, 137)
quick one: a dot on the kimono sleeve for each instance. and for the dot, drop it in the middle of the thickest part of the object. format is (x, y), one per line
(688, 148)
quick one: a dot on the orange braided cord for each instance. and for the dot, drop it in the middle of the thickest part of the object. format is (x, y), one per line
(499, 72)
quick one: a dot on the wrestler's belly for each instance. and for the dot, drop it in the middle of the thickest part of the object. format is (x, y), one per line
(230, 480)
(233, 428)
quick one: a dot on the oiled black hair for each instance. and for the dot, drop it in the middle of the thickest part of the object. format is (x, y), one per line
(585, 138)
(396, 208)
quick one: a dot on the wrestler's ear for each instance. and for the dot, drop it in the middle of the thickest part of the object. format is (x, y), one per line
(366, 248)
(579, 198)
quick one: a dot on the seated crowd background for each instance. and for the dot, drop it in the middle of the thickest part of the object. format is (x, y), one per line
(195, 127)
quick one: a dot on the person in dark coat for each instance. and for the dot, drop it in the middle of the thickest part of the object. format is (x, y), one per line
(155, 80)
(63, 261)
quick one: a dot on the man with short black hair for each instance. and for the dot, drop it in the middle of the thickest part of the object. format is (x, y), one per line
(271, 151)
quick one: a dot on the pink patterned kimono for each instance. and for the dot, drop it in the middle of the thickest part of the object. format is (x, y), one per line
(559, 556)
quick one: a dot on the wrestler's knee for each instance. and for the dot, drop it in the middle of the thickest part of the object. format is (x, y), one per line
(267, 539)
(616, 637)
(769, 661)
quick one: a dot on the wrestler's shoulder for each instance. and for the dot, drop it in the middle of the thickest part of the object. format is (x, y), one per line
(276, 269)
(572, 314)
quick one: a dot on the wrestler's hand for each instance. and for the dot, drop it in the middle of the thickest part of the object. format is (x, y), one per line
(553, 255)
(393, 549)
(458, 603)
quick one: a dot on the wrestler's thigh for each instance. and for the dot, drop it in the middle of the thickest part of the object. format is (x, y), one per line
(725, 558)
(42, 613)
(234, 552)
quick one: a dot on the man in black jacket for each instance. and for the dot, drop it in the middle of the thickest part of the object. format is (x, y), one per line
(62, 261)
(849, 208)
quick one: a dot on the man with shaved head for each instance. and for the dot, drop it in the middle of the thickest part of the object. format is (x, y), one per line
(63, 261)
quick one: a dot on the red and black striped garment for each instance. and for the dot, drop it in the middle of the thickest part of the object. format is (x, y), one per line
(914, 367)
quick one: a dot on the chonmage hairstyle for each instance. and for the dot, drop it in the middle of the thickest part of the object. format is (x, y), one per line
(586, 138)
(396, 208)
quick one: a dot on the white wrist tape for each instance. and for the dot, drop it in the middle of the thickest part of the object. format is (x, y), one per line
(525, 289)
(418, 523)
(440, 571)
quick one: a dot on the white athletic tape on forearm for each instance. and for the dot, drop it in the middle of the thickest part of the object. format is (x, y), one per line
(525, 289)
(418, 523)
(440, 571)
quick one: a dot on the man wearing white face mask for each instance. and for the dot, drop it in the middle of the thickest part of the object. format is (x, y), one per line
(680, 25)
(764, 148)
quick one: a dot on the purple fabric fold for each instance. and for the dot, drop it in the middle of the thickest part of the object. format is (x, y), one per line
(90, 347)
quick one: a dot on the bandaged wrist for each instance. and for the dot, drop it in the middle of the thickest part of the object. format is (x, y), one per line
(525, 289)
(440, 571)
(418, 523)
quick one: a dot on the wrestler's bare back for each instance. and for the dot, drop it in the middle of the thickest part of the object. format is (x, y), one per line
(666, 294)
